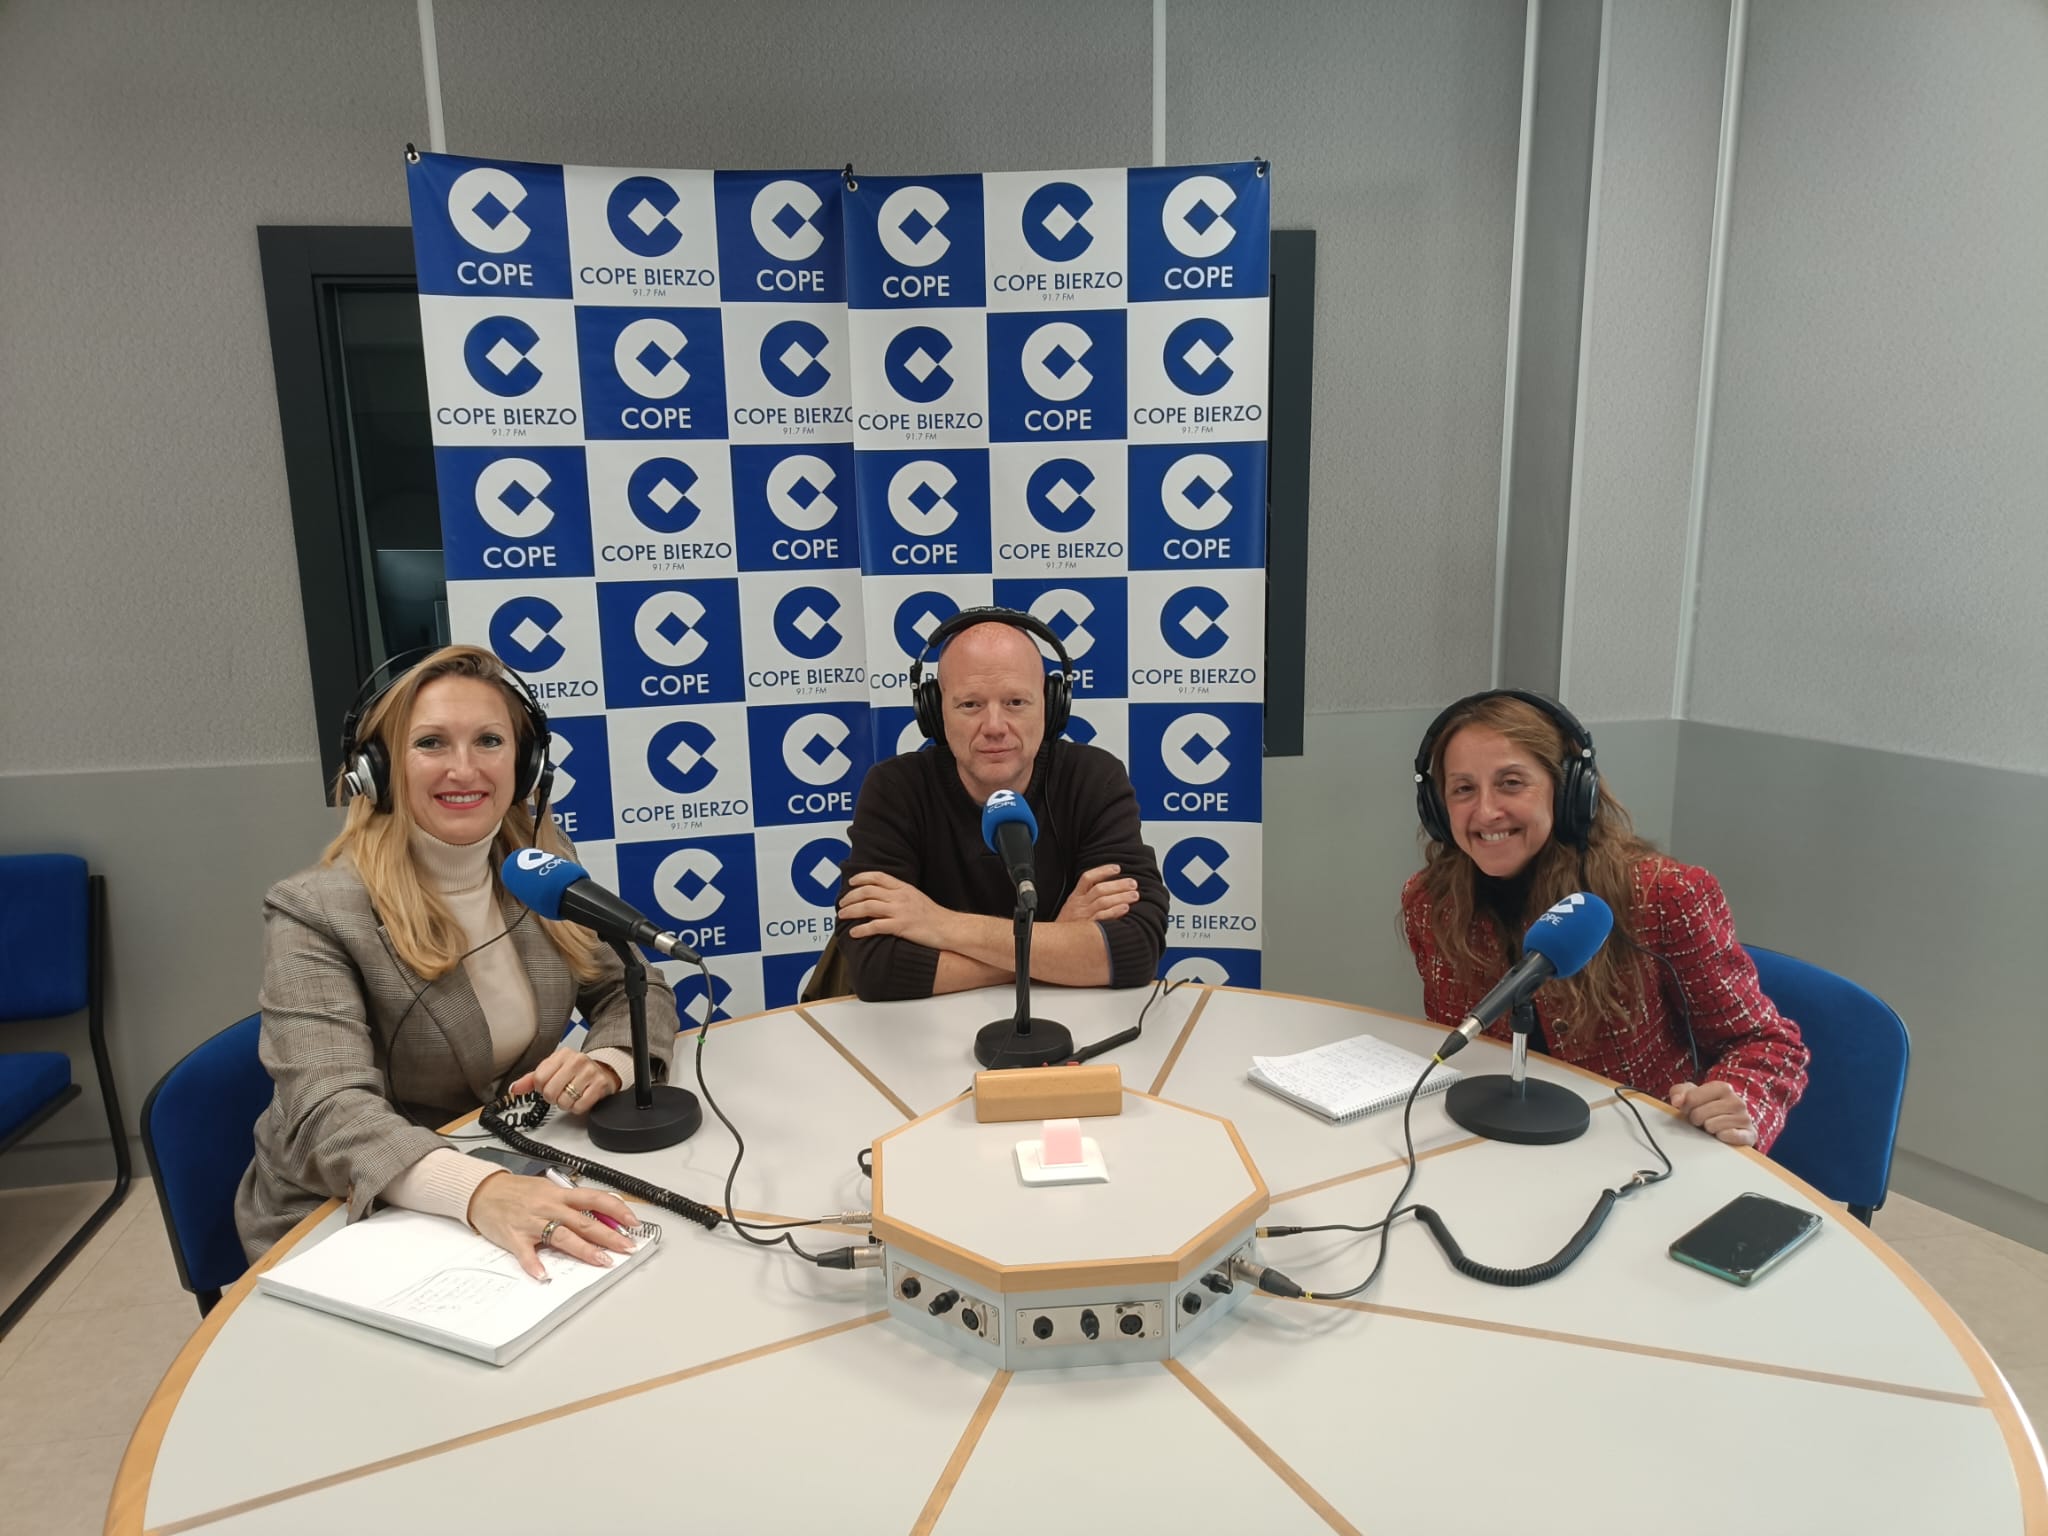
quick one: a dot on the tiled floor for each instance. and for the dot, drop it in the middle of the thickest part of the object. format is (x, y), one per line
(76, 1372)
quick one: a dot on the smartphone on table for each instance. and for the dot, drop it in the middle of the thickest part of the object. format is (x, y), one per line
(1745, 1239)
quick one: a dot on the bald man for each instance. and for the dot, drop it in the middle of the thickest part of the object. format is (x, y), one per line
(925, 907)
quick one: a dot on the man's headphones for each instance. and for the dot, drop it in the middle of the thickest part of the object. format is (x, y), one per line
(366, 765)
(1578, 786)
(924, 691)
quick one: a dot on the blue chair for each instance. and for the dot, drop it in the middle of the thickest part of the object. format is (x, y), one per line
(53, 927)
(199, 1132)
(1839, 1136)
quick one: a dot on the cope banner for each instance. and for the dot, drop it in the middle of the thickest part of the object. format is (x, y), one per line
(717, 450)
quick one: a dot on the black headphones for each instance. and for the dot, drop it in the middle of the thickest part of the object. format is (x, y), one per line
(1578, 787)
(366, 765)
(924, 691)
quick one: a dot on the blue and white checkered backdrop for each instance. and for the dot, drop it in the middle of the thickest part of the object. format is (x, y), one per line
(717, 450)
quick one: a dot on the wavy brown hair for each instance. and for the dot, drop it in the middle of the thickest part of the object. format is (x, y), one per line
(1611, 985)
(426, 935)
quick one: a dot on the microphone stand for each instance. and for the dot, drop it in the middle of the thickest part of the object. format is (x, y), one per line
(656, 1115)
(1511, 1105)
(1021, 1040)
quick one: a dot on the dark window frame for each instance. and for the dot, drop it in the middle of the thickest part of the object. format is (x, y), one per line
(305, 266)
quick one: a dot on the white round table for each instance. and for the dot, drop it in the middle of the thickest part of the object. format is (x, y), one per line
(728, 1388)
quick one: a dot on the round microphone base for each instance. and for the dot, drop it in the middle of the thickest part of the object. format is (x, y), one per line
(619, 1124)
(1532, 1112)
(1004, 1044)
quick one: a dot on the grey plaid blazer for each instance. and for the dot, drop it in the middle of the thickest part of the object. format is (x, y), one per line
(359, 1078)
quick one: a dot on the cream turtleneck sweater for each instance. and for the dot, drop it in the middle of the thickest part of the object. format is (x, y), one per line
(443, 1181)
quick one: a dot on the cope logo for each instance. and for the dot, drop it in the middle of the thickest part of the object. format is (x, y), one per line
(923, 511)
(784, 218)
(1193, 871)
(658, 494)
(670, 642)
(1056, 495)
(914, 363)
(917, 616)
(794, 510)
(910, 226)
(523, 634)
(706, 888)
(483, 206)
(803, 623)
(1203, 508)
(658, 374)
(1200, 234)
(814, 872)
(1066, 613)
(1055, 221)
(498, 354)
(914, 244)
(778, 237)
(1194, 355)
(807, 760)
(1191, 621)
(679, 757)
(1056, 378)
(1078, 730)
(489, 230)
(1194, 217)
(1212, 967)
(581, 798)
(792, 359)
(509, 514)
(1197, 763)
(645, 215)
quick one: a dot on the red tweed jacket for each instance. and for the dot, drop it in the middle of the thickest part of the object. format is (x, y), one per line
(1678, 911)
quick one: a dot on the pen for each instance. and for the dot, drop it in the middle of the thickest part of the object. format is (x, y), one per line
(566, 1182)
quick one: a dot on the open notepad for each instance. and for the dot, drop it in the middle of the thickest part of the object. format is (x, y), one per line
(1348, 1078)
(434, 1280)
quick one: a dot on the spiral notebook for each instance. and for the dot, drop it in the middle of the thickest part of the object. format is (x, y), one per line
(434, 1280)
(1348, 1078)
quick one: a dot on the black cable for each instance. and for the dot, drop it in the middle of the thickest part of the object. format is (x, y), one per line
(1489, 1274)
(1125, 1037)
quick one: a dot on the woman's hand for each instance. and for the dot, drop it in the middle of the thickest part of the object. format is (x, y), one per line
(570, 1081)
(513, 1210)
(1715, 1109)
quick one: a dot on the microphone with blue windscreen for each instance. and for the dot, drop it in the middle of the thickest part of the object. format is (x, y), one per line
(1511, 1106)
(562, 889)
(1009, 829)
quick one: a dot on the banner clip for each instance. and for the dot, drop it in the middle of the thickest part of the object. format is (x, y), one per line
(412, 156)
(1259, 165)
(847, 176)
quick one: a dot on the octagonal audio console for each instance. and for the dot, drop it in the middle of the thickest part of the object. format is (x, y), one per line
(1027, 1276)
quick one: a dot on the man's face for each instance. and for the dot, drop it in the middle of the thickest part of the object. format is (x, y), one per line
(992, 694)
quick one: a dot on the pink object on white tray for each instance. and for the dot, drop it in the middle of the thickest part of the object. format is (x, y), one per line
(1061, 1155)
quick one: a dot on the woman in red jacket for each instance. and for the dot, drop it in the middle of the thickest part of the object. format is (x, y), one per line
(1518, 817)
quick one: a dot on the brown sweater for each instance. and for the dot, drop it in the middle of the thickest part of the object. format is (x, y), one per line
(916, 821)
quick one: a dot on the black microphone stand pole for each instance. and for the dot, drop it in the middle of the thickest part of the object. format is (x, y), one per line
(1511, 1105)
(1022, 1041)
(654, 1115)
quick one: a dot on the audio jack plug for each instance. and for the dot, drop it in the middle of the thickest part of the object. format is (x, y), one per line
(1269, 1280)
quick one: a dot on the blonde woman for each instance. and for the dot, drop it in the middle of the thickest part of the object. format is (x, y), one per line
(402, 987)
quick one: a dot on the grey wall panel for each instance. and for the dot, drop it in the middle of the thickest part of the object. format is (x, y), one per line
(1547, 363)
(1875, 537)
(1647, 303)
(892, 85)
(149, 594)
(188, 854)
(1921, 880)
(1392, 128)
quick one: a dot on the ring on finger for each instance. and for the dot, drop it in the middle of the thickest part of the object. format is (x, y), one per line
(574, 1093)
(547, 1232)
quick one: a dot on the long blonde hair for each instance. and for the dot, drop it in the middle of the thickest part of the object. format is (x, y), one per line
(378, 843)
(1611, 985)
